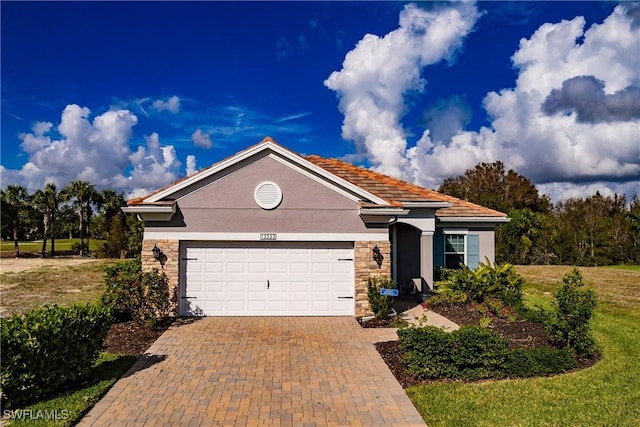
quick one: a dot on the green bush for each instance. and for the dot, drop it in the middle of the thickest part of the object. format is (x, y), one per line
(141, 296)
(540, 361)
(47, 349)
(568, 321)
(473, 353)
(469, 353)
(499, 281)
(380, 305)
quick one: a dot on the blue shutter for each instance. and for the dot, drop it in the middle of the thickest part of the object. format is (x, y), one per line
(473, 251)
(438, 251)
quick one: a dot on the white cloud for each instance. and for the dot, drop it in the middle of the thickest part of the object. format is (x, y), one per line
(172, 105)
(191, 165)
(95, 150)
(201, 139)
(378, 73)
(537, 127)
(548, 147)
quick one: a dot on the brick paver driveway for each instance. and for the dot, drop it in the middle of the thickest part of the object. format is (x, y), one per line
(276, 371)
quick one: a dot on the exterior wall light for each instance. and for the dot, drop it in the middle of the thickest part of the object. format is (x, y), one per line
(156, 252)
(377, 256)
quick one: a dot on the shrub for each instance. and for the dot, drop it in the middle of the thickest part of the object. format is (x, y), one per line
(540, 361)
(568, 321)
(427, 352)
(499, 281)
(379, 304)
(143, 297)
(468, 353)
(47, 349)
(473, 353)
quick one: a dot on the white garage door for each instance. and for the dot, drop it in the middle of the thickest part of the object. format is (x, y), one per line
(269, 279)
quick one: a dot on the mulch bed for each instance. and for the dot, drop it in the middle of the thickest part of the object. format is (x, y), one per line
(521, 333)
(133, 339)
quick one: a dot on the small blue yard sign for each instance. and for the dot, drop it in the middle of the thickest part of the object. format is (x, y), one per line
(389, 292)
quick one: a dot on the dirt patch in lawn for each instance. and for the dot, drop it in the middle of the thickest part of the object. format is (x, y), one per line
(28, 283)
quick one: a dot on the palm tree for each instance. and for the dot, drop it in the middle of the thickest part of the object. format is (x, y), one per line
(48, 202)
(84, 195)
(15, 198)
(112, 204)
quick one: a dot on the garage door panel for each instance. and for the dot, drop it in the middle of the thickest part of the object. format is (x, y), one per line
(235, 267)
(236, 286)
(216, 286)
(304, 279)
(278, 267)
(300, 287)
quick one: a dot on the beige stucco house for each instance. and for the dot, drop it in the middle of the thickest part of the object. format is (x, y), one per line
(269, 232)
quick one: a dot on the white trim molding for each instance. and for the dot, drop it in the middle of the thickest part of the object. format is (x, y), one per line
(152, 213)
(266, 236)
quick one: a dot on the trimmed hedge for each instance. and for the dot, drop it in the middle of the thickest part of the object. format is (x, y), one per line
(46, 349)
(474, 353)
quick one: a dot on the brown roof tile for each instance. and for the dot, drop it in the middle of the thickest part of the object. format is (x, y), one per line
(396, 191)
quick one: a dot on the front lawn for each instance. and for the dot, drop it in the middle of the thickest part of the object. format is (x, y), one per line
(68, 408)
(606, 394)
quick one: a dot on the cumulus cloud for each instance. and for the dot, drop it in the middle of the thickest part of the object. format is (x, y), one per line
(201, 139)
(378, 73)
(172, 105)
(585, 96)
(191, 165)
(97, 150)
(571, 117)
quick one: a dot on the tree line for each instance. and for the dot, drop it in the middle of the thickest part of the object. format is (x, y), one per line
(77, 210)
(596, 230)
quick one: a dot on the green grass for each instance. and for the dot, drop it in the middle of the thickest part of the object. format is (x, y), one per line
(606, 394)
(69, 407)
(36, 245)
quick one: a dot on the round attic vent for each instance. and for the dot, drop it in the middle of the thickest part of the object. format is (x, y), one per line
(268, 195)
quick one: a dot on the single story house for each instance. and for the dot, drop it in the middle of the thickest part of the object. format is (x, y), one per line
(268, 232)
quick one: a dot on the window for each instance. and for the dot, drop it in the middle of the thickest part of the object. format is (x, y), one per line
(454, 250)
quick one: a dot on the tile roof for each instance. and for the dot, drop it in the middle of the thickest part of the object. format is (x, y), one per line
(396, 191)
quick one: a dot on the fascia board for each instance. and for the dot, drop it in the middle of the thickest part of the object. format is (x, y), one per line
(485, 219)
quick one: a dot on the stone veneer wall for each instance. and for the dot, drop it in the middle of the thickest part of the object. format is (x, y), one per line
(365, 267)
(170, 260)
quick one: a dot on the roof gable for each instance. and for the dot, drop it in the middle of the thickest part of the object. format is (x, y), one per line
(371, 189)
(280, 153)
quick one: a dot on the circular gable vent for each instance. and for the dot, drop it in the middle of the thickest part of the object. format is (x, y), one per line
(268, 195)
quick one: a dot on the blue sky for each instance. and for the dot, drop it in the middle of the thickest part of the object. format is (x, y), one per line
(133, 95)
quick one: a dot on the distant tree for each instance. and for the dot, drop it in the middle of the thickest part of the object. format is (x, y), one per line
(112, 204)
(526, 238)
(48, 201)
(594, 230)
(84, 195)
(14, 200)
(489, 185)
